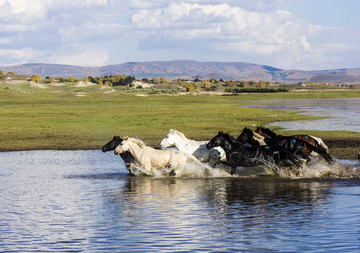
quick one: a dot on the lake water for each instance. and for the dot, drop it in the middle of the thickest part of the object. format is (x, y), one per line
(84, 201)
(340, 114)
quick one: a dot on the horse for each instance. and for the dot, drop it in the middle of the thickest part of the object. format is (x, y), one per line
(297, 144)
(239, 155)
(250, 138)
(313, 140)
(126, 156)
(149, 158)
(196, 148)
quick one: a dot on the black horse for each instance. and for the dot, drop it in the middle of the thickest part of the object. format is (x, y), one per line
(294, 144)
(247, 138)
(126, 156)
(239, 155)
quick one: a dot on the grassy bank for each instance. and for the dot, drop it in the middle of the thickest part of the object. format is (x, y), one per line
(69, 117)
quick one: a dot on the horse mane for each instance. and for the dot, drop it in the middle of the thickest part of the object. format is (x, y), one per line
(138, 142)
(248, 130)
(269, 132)
(227, 136)
(266, 131)
(180, 134)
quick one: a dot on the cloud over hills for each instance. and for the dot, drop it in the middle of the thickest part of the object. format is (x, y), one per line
(101, 32)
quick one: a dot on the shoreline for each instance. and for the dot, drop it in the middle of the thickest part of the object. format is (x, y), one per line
(60, 119)
(339, 148)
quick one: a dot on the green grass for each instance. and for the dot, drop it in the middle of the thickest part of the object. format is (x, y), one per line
(87, 117)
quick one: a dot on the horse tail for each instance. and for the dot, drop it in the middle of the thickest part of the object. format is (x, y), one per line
(259, 138)
(320, 142)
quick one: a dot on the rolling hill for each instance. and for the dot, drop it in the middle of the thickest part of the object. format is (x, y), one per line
(191, 69)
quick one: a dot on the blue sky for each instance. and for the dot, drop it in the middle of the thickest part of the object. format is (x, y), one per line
(289, 34)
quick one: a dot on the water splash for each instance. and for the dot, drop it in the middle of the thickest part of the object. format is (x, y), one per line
(316, 168)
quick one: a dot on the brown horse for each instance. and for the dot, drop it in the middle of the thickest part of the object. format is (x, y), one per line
(310, 143)
(315, 141)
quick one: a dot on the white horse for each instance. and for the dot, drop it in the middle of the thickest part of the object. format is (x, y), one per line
(150, 158)
(196, 148)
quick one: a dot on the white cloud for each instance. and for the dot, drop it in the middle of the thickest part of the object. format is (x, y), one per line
(224, 27)
(19, 56)
(104, 31)
(88, 58)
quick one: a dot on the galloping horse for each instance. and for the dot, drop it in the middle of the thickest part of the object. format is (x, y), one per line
(149, 158)
(126, 156)
(250, 138)
(196, 148)
(297, 144)
(313, 140)
(239, 155)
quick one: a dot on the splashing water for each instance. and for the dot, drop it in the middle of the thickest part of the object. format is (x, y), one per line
(316, 168)
(190, 169)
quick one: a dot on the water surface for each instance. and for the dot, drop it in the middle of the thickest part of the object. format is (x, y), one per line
(339, 114)
(61, 201)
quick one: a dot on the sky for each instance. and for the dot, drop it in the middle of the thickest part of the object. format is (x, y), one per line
(288, 34)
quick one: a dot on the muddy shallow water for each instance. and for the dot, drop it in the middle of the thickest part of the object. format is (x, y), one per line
(78, 201)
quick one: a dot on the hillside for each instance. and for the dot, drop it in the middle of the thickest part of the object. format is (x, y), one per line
(191, 69)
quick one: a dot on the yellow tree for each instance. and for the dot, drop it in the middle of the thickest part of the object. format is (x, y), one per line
(189, 87)
(207, 86)
(35, 78)
(260, 84)
(154, 80)
(162, 79)
(70, 79)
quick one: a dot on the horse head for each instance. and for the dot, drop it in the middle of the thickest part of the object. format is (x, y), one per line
(123, 146)
(246, 136)
(111, 145)
(173, 138)
(168, 141)
(223, 140)
(266, 132)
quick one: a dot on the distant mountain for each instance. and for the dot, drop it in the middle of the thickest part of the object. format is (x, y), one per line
(191, 69)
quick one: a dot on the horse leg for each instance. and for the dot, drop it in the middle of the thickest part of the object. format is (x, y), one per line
(229, 164)
(131, 171)
(232, 171)
(170, 170)
(322, 151)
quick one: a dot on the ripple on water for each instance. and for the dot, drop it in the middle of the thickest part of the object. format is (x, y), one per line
(59, 201)
(339, 114)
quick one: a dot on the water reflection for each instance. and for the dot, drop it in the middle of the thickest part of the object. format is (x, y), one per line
(85, 201)
(217, 209)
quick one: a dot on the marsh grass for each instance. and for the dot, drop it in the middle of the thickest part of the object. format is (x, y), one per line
(66, 117)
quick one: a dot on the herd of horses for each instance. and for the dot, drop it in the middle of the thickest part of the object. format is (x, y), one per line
(250, 149)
